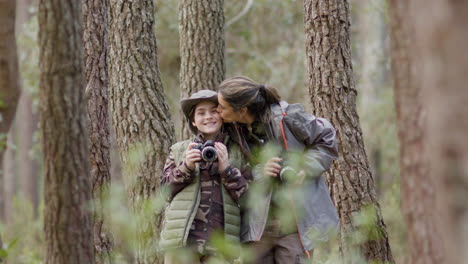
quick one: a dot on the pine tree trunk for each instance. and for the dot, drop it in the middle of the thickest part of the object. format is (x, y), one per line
(95, 43)
(67, 187)
(9, 82)
(10, 172)
(140, 114)
(28, 171)
(26, 121)
(22, 14)
(439, 42)
(417, 186)
(333, 96)
(116, 164)
(202, 48)
(368, 40)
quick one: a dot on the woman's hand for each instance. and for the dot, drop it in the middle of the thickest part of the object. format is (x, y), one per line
(272, 168)
(192, 155)
(223, 156)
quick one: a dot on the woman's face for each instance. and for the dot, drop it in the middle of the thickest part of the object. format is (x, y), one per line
(226, 111)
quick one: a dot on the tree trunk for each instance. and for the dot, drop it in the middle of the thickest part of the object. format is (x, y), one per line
(26, 122)
(22, 14)
(67, 187)
(368, 43)
(140, 115)
(95, 43)
(9, 165)
(440, 40)
(28, 171)
(202, 48)
(333, 95)
(417, 186)
(9, 82)
(116, 164)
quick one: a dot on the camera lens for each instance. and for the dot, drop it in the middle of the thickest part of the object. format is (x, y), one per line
(209, 154)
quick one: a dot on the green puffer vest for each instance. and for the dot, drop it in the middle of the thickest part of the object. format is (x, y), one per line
(181, 212)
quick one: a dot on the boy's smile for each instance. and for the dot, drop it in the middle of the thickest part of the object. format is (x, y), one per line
(207, 119)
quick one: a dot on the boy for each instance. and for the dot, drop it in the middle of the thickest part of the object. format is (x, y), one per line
(205, 192)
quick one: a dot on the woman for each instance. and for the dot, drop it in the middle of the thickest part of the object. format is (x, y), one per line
(261, 118)
(206, 179)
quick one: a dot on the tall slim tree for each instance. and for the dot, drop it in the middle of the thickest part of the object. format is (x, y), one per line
(441, 69)
(27, 122)
(9, 179)
(368, 39)
(28, 170)
(9, 83)
(140, 115)
(333, 95)
(95, 44)
(418, 188)
(202, 48)
(23, 14)
(67, 188)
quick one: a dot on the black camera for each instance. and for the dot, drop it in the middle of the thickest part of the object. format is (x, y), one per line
(208, 152)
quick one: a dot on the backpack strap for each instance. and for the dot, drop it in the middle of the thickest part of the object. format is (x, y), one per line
(283, 134)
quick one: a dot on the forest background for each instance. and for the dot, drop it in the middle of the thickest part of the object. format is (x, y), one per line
(264, 40)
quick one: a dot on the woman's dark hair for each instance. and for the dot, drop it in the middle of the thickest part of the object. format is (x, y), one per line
(241, 91)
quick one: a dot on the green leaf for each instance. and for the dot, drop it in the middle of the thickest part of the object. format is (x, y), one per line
(3, 253)
(13, 243)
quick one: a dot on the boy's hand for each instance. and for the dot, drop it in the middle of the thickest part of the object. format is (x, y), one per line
(272, 168)
(192, 155)
(223, 156)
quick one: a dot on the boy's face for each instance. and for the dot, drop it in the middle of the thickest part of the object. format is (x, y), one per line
(207, 119)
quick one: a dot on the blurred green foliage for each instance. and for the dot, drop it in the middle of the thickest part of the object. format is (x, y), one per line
(3, 141)
(27, 230)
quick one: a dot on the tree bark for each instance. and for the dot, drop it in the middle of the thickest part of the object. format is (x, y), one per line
(368, 42)
(28, 174)
(333, 95)
(67, 188)
(116, 164)
(9, 82)
(22, 14)
(95, 42)
(26, 122)
(202, 48)
(28, 185)
(140, 114)
(441, 69)
(10, 172)
(417, 185)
